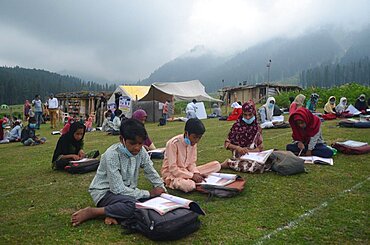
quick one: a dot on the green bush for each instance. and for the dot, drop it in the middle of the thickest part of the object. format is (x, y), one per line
(350, 90)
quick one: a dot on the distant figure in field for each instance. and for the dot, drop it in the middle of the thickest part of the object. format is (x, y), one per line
(53, 106)
(66, 127)
(329, 107)
(16, 132)
(267, 112)
(116, 122)
(26, 110)
(37, 104)
(165, 111)
(89, 124)
(297, 103)
(28, 135)
(190, 110)
(107, 125)
(216, 110)
(141, 116)
(341, 108)
(361, 104)
(3, 132)
(312, 102)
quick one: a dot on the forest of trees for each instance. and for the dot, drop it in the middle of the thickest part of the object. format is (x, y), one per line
(330, 75)
(18, 84)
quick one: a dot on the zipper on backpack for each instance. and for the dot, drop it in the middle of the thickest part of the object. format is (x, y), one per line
(152, 225)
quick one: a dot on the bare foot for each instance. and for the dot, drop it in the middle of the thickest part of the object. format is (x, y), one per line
(225, 164)
(85, 214)
(110, 221)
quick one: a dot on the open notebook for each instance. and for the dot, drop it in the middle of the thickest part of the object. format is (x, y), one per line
(318, 160)
(259, 157)
(219, 179)
(166, 202)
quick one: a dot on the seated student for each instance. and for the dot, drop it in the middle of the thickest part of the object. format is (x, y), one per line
(312, 102)
(107, 125)
(245, 136)
(191, 108)
(15, 134)
(361, 104)
(89, 124)
(69, 147)
(114, 188)
(28, 135)
(329, 107)
(297, 103)
(141, 116)
(116, 122)
(341, 108)
(237, 111)
(3, 132)
(216, 110)
(66, 127)
(179, 170)
(266, 112)
(307, 136)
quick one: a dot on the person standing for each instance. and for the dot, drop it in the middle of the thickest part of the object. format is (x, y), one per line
(53, 110)
(165, 111)
(26, 110)
(38, 110)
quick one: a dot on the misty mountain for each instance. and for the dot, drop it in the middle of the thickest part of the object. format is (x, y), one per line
(289, 57)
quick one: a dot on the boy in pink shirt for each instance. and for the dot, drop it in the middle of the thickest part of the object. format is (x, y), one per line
(179, 170)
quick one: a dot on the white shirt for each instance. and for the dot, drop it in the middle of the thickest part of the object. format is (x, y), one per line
(191, 107)
(53, 103)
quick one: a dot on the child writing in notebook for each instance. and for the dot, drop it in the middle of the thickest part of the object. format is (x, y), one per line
(179, 170)
(114, 188)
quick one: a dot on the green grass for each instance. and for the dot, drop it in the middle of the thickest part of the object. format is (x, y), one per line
(36, 202)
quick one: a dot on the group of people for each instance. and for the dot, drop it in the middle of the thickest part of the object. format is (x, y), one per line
(331, 107)
(114, 188)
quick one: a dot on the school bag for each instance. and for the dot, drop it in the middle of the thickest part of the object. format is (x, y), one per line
(82, 167)
(351, 150)
(172, 225)
(162, 121)
(229, 190)
(286, 163)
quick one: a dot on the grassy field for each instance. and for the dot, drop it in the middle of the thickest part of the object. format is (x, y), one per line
(328, 205)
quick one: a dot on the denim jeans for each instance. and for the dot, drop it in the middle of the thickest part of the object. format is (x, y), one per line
(38, 116)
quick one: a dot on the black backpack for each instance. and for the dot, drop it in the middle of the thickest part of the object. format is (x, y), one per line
(162, 121)
(82, 167)
(172, 225)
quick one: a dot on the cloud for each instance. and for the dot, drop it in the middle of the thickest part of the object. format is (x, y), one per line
(118, 40)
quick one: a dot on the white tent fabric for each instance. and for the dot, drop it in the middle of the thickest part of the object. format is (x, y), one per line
(187, 91)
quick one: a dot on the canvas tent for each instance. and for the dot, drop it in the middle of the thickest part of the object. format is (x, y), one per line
(187, 91)
(124, 95)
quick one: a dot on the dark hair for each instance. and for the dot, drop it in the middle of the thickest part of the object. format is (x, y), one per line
(132, 128)
(291, 99)
(117, 112)
(31, 120)
(72, 130)
(16, 123)
(195, 126)
(239, 102)
(194, 101)
(37, 95)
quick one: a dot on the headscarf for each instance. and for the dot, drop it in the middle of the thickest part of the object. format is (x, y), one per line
(67, 144)
(67, 126)
(299, 99)
(328, 106)
(269, 111)
(341, 107)
(139, 115)
(241, 133)
(312, 125)
(361, 105)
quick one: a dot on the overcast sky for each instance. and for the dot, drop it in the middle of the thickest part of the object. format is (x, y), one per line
(118, 40)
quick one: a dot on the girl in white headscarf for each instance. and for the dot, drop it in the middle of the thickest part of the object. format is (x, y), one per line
(342, 106)
(266, 113)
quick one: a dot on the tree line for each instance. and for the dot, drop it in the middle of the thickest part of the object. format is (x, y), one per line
(330, 75)
(18, 84)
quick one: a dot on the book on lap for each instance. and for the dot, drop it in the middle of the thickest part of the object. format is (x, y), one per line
(260, 157)
(219, 179)
(318, 160)
(166, 202)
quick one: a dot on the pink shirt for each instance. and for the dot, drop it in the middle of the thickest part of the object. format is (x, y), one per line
(179, 160)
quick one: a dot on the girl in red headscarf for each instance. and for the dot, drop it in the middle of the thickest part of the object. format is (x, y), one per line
(245, 136)
(307, 136)
(66, 127)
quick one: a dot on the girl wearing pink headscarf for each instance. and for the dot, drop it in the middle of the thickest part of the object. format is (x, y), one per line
(88, 124)
(141, 116)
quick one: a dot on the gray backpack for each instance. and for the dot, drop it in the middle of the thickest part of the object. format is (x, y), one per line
(286, 163)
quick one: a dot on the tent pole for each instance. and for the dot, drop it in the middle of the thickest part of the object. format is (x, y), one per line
(153, 104)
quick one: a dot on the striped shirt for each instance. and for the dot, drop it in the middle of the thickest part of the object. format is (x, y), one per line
(119, 174)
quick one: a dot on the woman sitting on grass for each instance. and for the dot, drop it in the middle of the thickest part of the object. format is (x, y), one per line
(307, 135)
(341, 108)
(245, 136)
(15, 133)
(3, 132)
(297, 103)
(329, 107)
(69, 147)
(28, 135)
(141, 116)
